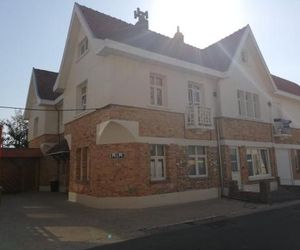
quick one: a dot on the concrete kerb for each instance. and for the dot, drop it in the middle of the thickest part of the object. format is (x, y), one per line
(216, 218)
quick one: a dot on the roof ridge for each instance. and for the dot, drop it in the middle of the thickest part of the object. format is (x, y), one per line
(226, 37)
(44, 70)
(117, 19)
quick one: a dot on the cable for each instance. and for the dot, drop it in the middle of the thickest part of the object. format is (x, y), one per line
(54, 110)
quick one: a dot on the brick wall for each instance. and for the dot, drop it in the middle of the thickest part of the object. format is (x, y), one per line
(131, 176)
(294, 138)
(237, 129)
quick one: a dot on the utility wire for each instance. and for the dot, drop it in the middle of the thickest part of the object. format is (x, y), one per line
(47, 110)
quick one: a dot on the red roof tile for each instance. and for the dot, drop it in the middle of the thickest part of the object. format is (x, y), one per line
(286, 85)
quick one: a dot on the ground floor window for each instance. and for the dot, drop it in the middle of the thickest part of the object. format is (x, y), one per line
(157, 162)
(258, 162)
(197, 161)
(295, 156)
(82, 164)
(234, 159)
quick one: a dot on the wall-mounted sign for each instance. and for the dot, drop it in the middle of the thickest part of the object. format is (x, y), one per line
(117, 155)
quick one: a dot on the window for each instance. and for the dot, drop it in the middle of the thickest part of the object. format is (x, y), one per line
(83, 47)
(157, 162)
(35, 126)
(295, 155)
(197, 161)
(82, 164)
(258, 162)
(241, 102)
(248, 104)
(234, 159)
(156, 90)
(82, 97)
(194, 93)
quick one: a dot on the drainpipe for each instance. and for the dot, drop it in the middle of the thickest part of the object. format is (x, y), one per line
(220, 157)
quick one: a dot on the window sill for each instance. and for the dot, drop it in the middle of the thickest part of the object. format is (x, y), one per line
(260, 177)
(253, 119)
(163, 108)
(156, 181)
(198, 176)
(82, 113)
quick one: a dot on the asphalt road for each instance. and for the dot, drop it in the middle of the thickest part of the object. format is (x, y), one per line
(275, 229)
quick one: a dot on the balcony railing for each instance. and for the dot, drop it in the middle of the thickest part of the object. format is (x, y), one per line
(197, 116)
(281, 127)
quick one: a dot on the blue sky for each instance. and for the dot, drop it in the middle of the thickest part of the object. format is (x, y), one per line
(33, 32)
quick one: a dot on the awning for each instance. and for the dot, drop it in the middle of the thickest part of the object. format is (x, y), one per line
(61, 148)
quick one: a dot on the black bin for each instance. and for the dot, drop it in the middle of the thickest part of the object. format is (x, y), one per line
(54, 185)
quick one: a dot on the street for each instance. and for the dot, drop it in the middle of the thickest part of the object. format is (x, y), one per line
(275, 229)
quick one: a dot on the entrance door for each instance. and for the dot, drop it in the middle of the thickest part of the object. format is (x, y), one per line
(284, 166)
(235, 166)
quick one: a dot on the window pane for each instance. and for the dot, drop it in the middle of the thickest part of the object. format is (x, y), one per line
(160, 169)
(152, 168)
(200, 150)
(152, 100)
(191, 166)
(190, 96)
(234, 160)
(159, 81)
(250, 164)
(249, 104)
(241, 102)
(191, 150)
(201, 166)
(152, 150)
(160, 150)
(159, 96)
(265, 162)
(256, 106)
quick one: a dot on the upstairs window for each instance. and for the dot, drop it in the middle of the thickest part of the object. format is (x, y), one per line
(82, 97)
(83, 47)
(248, 104)
(156, 90)
(194, 93)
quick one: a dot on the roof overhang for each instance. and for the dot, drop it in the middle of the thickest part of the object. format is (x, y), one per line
(112, 47)
(286, 94)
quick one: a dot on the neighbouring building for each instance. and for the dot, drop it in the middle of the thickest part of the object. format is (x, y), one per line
(136, 119)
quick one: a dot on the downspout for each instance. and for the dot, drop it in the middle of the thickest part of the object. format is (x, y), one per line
(220, 157)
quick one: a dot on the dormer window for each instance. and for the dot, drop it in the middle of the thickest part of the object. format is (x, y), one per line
(83, 47)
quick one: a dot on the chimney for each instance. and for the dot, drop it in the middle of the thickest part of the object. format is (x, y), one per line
(142, 19)
(179, 36)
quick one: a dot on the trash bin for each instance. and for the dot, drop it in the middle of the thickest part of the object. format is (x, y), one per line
(54, 185)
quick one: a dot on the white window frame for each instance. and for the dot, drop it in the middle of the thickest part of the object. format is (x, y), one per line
(236, 149)
(157, 87)
(248, 104)
(83, 47)
(197, 158)
(195, 91)
(156, 159)
(257, 152)
(82, 97)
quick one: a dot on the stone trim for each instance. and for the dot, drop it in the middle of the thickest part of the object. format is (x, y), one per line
(145, 201)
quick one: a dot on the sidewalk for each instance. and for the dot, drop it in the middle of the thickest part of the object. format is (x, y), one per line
(48, 221)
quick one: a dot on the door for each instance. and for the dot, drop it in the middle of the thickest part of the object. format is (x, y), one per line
(284, 167)
(235, 166)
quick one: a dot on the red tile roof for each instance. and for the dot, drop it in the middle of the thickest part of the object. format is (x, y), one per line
(217, 56)
(45, 81)
(286, 85)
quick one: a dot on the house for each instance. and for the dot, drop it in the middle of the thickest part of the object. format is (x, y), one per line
(148, 120)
